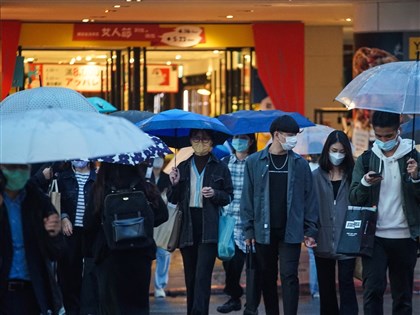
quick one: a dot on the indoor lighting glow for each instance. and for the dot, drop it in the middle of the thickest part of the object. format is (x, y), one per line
(168, 63)
(215, 52)
(177, 57)
(117, 6)
(30, 59)
(229, 16)
(85, 20)
(185, 100)
(88, 58)
(348, 19)
(78, 58)
(203, 92)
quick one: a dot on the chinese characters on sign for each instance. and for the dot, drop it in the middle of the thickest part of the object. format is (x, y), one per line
(79, 78)
(181, 36)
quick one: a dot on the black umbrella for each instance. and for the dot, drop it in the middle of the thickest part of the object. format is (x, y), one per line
(253, 286)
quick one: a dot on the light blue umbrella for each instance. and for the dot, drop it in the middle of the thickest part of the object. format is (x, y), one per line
(102, 105)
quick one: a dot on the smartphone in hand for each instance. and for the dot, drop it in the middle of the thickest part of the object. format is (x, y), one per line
(375, 175)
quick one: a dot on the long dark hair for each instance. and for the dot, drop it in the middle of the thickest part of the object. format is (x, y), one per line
(122, 176)
(348, 163)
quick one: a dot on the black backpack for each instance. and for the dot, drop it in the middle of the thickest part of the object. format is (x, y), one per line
(127, 219)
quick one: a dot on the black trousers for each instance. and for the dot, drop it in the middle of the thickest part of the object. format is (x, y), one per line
(69, 271)
(233, 269)
(327, 286)
(399, 257)
(198, 262)
(267, 258)
(20, 301)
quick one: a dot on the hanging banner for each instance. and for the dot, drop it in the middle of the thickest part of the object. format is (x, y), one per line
(9, 41)
(280, 53)
(162, 79)
(179, 36)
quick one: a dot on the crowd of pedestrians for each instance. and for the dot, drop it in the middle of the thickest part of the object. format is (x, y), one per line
(53, 262)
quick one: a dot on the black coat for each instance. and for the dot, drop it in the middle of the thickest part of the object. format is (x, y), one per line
(69, 190)
(216, 176)
(40, 248)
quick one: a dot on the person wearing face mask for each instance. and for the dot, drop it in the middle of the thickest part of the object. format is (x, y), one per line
(332, 183)
(200, 186)
(243, 146)
(279, 211)
(29, 239)
(396, 194)
(74, 184)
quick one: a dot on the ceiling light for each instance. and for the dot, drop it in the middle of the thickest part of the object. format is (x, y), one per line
(177, 57)
(78, 58)
(348, 20)
(229, 16)
(128, 0)
(72, 61)
(216, 52)
(203, 92)
(131, 60)
(138, 0)
(106, 11)
(88, 58)
(101, 56)
(117, 6)
(168, 63)
(85, 20)
(30, 59)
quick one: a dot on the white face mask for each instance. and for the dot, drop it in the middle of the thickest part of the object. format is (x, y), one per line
(336, 158)
(290, 143)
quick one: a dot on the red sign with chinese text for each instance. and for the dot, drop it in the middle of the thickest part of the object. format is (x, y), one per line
(179, 36)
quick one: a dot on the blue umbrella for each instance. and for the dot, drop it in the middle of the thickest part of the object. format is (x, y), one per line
(101, 105)
(173, 127)
(134, 116)
(251, 121)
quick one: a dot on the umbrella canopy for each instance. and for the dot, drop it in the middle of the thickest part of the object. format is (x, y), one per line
(251, 121)
(159, 148)
(311, 140)
(134, 116)
(101, 105)
(173, 127)
(407, 129)
(46, 97)
(37, 136)
(392, 87)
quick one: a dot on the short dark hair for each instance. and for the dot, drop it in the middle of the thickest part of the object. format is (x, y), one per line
(209, 132)
(253, 147)
(284, 123)
(385, 119)
(348, 162)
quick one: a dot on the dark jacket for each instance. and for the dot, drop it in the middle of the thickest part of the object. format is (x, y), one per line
(40, 248)
(332, 213)
(216, 176)
(92, 223)
(69, 191)
(302, 205)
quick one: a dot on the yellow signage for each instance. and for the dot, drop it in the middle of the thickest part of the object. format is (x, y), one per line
(413, 47)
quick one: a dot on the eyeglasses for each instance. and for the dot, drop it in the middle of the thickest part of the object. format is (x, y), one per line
(203, 140)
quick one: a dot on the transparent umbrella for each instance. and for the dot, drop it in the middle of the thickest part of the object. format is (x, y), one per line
(311, 140)
(36, 136)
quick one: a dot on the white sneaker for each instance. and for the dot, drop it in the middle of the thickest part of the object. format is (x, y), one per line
(160, 293)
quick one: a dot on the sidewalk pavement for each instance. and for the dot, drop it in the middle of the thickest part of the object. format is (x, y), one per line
(175, 303)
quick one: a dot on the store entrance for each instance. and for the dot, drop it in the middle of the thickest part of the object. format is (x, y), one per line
(209, 82)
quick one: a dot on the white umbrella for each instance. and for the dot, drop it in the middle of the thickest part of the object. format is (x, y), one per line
(311, 140)
(37, 136)
(46, 97)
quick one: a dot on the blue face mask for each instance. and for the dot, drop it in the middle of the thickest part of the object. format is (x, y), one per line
(388, 145)
(240, 145)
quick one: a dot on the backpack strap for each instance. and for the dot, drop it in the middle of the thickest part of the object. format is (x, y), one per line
(366, 160)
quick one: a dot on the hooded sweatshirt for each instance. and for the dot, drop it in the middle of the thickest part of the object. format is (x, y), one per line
(392, 222)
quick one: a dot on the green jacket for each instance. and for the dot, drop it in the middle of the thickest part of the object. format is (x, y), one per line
(361, 195)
